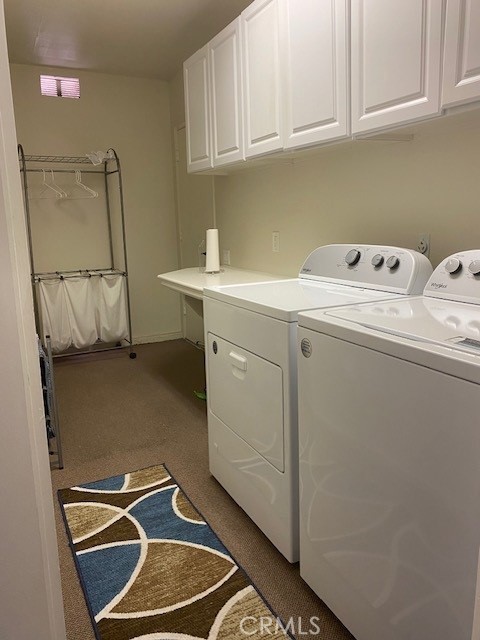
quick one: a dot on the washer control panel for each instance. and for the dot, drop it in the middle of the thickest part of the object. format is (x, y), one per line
(353, 257)
(369, 266)
(457, 278)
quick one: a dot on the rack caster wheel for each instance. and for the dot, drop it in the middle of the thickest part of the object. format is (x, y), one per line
(132, 355)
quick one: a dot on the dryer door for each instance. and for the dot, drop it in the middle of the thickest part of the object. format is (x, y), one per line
(245, 392)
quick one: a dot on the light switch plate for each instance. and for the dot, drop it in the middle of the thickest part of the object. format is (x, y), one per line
(276, 241)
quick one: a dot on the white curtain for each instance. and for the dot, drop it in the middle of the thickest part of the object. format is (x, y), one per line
(79, 310)
(54, 312)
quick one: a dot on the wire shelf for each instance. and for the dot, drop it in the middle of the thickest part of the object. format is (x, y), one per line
(62, 159)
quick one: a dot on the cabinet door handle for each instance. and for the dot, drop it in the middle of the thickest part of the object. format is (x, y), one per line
(238, 361)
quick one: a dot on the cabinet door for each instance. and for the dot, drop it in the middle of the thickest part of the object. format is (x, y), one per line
(316, 53)
(261, 74)
(396, 51)
(461, 67)
(195, 79)
(226, 95)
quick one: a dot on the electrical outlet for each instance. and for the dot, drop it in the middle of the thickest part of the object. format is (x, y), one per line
(226, 256)
(276, 241)
(423, 245)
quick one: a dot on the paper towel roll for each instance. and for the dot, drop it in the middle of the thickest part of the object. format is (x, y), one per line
(212, 264)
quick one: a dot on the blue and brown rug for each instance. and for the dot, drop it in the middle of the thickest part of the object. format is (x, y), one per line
(152, 569)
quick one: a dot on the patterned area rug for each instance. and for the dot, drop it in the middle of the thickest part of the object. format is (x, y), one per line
(152, 569)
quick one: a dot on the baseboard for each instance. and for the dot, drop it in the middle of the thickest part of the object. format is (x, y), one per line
(161, 337)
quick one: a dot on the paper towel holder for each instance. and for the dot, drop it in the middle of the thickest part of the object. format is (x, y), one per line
(212, 261)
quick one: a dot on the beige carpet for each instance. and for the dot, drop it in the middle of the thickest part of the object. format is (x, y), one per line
(119, 415)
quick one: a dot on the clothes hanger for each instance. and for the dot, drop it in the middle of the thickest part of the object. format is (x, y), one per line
(86, 191)
(50, 188)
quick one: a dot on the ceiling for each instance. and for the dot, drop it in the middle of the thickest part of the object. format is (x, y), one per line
(147, 38)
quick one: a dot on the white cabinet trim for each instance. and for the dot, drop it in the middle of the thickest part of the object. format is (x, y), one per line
(235, 152)
(204, 159)
(273, 140)
(405, 107)
(337, 125)
(461, 80)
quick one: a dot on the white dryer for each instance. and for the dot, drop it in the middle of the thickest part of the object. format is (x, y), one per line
(389, 426)
(250, 343)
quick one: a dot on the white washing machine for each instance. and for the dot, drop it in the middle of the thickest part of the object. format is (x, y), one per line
(389, 437)
(250, 344)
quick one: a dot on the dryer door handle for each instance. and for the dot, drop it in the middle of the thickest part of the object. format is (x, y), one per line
(238, 361)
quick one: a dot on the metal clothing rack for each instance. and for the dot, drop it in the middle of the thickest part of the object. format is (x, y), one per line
(110, 168)
(50, 403)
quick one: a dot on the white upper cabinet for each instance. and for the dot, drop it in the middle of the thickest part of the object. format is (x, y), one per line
(197, 111)
(261, 77)
(289, 74)
(315, 61)
(225, 62)
(461, 65)
(396, 55)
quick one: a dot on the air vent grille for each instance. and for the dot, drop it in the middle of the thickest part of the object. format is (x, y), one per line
(59, 87)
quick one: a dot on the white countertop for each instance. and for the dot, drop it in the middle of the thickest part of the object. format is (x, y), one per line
(191, 281)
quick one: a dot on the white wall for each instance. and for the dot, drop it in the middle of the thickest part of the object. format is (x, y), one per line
(362, 192)
(131, 115)
(177, 104)
(31, 600)
(195, 210)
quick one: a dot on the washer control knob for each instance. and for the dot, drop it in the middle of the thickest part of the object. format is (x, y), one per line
(474, 267)
(377, 260)
(453, 266)
(352, 257)
(393, 263)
